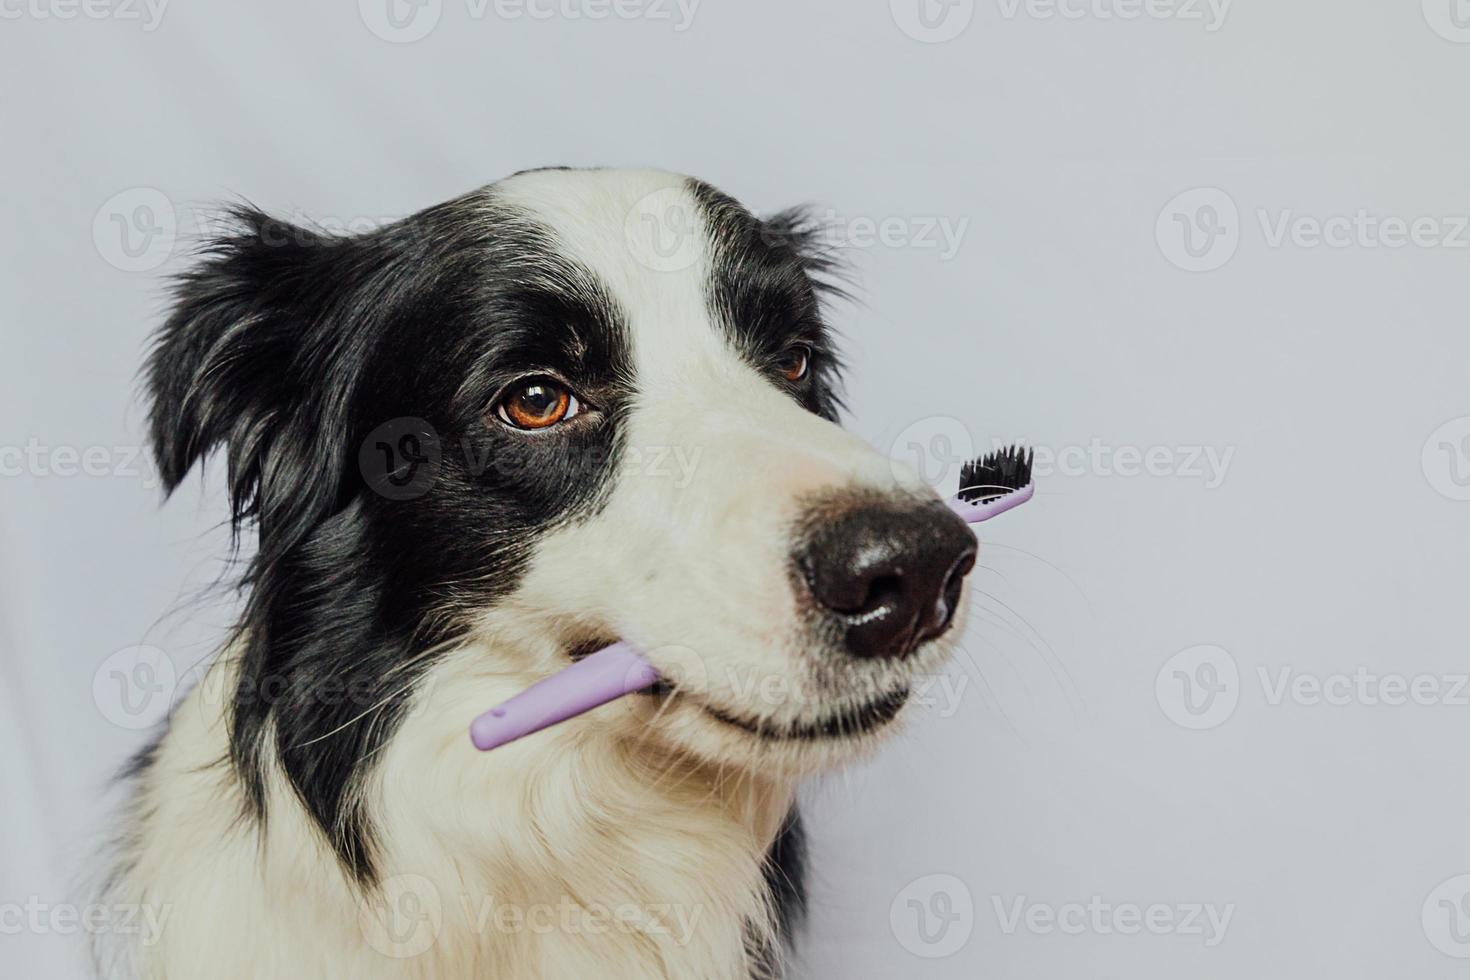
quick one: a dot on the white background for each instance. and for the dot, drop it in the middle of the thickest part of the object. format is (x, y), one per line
(1068, 315)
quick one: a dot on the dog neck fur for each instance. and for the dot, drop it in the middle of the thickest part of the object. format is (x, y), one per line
(571, 854)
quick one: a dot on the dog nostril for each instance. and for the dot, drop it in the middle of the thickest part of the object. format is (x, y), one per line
(949, 599)
(883, 591)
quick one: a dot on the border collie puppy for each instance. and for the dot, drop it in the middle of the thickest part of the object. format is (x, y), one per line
(474, 445)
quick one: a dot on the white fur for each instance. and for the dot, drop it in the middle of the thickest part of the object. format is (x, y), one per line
(567, 817)
(693, 570)
(641, 808)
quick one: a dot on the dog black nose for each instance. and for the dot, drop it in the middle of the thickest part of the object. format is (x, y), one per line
(890, 575)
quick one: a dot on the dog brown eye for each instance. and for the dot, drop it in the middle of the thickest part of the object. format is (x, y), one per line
(795, 362)
(536, 403)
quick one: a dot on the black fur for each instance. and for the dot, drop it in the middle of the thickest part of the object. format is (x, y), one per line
(786, 879)
(327, 369)
(346, 381)
(769, 278)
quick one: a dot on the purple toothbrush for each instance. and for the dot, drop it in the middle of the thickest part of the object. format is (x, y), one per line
(988, 488)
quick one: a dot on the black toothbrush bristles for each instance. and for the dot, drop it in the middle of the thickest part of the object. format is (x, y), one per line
(995, 474)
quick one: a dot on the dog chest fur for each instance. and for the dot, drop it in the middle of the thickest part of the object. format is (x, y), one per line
(565, 855)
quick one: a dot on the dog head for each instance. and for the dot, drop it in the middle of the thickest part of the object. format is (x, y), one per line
(571, 407)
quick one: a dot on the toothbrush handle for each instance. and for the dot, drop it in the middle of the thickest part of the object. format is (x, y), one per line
(594, 680)
(618, 669)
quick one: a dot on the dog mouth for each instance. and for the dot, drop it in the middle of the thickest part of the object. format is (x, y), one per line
(845, 724)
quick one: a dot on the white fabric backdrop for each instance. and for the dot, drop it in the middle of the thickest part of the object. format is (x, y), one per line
(1051, 142)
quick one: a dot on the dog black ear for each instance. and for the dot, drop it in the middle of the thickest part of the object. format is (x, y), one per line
(242, 363)
(816, 245)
